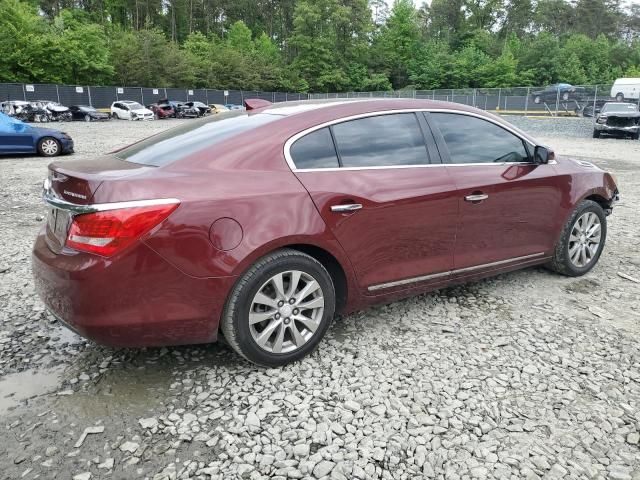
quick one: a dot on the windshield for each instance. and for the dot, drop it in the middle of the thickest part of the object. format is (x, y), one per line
(134, 106)
(87, 109)
(192, 137)
(619, 107)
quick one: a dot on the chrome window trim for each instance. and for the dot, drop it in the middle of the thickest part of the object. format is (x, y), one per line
(422, 278)
(51, 200)
(297, 136)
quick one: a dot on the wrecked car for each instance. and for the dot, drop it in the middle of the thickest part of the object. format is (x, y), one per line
(618, 118)
(16, 137)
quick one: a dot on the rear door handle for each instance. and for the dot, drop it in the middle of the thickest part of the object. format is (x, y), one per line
(350, 207)
(478, 197)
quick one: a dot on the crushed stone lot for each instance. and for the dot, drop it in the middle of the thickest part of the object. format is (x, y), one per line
(526, 375)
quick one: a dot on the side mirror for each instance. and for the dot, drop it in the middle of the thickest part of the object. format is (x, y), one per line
(542, 155)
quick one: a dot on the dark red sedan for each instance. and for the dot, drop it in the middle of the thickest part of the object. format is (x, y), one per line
(264, 224)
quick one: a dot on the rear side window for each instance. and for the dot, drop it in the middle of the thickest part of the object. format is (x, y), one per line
(179, 142)
(473, 140)
(315, 150)
(381, 141)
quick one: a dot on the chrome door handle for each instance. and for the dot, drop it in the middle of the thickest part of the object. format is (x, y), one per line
(476, 198)
(351, 207)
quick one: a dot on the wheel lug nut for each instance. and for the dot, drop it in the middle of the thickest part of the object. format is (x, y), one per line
(295, 311)
(292, 301)
(287, 320)
(280, 303)
(277, 316)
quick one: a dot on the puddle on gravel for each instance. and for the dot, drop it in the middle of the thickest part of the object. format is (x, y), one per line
(17, 387)
(130, 391)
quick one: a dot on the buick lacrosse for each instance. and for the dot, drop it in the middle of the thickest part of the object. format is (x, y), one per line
(264, 224)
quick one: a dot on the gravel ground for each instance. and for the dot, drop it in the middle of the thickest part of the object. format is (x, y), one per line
(527, 375)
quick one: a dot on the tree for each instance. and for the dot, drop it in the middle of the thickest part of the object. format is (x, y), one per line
(398, 41)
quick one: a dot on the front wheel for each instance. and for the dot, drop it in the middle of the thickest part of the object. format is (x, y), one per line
(87, 118)
(280, 309)
(581, 241)
(596, 134)
(49, 147)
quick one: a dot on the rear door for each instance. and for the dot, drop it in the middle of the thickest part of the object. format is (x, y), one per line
(384, 195)
(508, 204)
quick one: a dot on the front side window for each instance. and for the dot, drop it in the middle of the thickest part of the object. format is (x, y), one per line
(315, 150)
(473, 140)
(381, 141)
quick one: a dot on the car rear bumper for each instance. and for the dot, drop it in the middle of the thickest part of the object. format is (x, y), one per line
(135, 299)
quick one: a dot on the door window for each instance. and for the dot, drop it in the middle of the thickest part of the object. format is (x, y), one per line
(381, 141)
(473, 140)
(315, 150)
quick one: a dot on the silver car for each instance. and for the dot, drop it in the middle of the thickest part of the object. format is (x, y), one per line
(618, 118)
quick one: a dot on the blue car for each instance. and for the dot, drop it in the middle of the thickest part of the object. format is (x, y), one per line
(19, 137)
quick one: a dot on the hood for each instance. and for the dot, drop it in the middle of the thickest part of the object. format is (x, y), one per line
(142, 110)
(98, 114)
(620, 114)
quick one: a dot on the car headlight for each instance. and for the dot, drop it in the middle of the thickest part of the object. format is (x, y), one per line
(602, 120)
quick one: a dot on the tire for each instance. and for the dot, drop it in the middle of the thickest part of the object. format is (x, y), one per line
(114, 115)
(619, 97)
(635, 136)
(257, 280)
(87, 118)
(562, 262)
(596, 134)
(49, 147)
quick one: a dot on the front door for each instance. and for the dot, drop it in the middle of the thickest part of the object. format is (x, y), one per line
(508, 204)
(392, 210)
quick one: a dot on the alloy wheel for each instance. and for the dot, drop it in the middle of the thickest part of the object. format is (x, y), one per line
(49, 147)
(584, 239)
(286, 311)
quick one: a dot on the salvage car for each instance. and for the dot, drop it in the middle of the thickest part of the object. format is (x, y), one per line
(263, 224)
(130, 110)
(162, 110)
(56, 112)
(17, 137)
(183, 110)
(218, 108)
(201, 107)
(618, 118)
(87, 113)
(559, 91)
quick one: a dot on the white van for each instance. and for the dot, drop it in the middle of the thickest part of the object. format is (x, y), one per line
(626, 89)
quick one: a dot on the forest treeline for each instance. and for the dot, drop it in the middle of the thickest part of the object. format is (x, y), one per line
(318, 45)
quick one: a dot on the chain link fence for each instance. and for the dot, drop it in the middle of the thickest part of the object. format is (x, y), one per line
(552, 100)
(103, 97)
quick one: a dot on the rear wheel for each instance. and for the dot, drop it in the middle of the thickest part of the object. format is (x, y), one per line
(582, 240)
(280, 309)
(87, 118)
(49, 147)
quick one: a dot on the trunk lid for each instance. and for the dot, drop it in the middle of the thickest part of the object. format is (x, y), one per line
(76, 182)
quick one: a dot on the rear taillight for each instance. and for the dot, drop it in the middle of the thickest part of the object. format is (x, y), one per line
(108, 232)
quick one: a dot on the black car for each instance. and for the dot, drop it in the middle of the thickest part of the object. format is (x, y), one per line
(202, 108)
(184, 111)
(557, 92)
(618, 118)
(87, 113)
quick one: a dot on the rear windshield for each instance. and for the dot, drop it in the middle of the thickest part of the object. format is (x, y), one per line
(192, 137)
